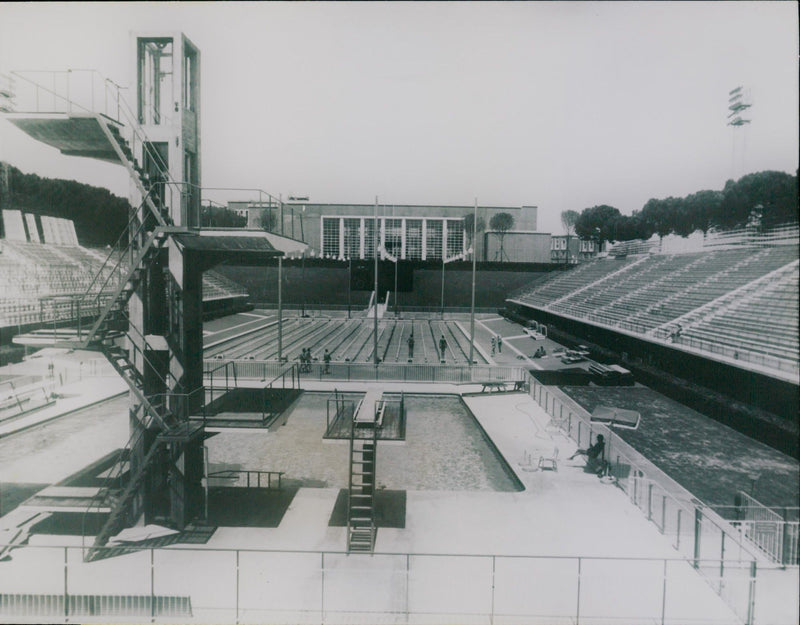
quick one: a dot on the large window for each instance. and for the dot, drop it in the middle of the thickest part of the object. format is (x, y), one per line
(393, 236)
(369, 237)
(433, 239)
(330, 236)
(352, 238)
(455, 237)
(413, 239)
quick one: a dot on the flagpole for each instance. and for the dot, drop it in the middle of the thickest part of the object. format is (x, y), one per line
(375, 309)
(472, 305)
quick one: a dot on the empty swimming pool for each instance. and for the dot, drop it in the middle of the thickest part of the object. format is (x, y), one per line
(444, 449)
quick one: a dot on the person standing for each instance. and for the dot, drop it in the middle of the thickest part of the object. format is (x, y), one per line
(499, 344)
(494, 345)
(326, 358)
(411, 347)
(443, 346)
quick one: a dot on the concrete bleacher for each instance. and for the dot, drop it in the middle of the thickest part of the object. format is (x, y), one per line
(657, 293)
(563, 284)
(765, 322)
(37, 281)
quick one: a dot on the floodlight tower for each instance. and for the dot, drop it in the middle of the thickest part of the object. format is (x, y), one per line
(738, 103)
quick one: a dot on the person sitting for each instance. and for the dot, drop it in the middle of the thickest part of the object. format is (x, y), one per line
(594, 455)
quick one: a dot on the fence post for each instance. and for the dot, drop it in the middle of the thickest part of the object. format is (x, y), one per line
(664, 593)
(721, 561)
(66, 584)
(408, 565)
(491, 614)
(698, 521)
(152, 587)
(751, 601)
(578, 598)
(322, 589)
(237, 587)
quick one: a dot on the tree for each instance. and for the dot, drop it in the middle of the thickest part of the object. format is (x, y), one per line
(568, 219)
(268, 220)
(470, 225)
(660, 215)
(630, 228)
(700, 209)
(98, 215)
(501, 223)
(221, 217)
(775, 191)
(597, 223)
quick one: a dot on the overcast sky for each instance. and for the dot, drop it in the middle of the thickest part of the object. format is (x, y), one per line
(559, 105)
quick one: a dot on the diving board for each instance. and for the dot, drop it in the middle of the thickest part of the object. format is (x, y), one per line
(370, 410)
(616, 417)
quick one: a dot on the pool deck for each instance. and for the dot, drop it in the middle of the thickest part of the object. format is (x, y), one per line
(566, 513)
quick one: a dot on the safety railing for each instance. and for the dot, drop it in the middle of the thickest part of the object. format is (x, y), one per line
(66, 91)
(233, 370)
(294, 586)
(773, 530)
(741, 353)
(17, 402)
(697, 532)
(247, 478)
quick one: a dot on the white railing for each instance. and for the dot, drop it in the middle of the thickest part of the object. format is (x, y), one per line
(317, 587)
(350, 371)
(696, 531)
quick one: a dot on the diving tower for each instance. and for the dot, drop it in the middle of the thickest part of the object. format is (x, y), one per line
(143, 310)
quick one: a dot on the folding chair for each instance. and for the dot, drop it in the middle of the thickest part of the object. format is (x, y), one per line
(551, 462)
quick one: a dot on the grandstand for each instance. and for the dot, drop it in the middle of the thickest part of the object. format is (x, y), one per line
(739, 304)
(40, 282)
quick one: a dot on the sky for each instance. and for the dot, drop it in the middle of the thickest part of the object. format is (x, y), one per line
(561, 105)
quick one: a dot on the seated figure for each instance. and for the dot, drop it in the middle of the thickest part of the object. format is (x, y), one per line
(595, 461)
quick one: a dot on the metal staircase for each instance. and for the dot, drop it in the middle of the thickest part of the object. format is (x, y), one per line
(361, 527)
(121, 500)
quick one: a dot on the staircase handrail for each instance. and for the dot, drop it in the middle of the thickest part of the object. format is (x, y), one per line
(116, 474)
(144, 250)
(115, 248)
(131, 327)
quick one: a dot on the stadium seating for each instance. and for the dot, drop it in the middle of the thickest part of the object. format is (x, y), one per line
(37, 281)
(720, 299)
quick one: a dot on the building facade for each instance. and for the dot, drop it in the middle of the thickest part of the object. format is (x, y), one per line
(571, 249)
(407, 232)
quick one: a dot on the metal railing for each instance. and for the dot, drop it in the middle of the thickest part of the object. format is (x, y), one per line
(295, 586)
(774, 531)
(448, 374)
(697, 531)
(232, 477)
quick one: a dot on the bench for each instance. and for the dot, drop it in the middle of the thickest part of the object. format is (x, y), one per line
(502, 385)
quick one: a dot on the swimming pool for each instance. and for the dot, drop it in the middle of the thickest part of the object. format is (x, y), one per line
(445, 449)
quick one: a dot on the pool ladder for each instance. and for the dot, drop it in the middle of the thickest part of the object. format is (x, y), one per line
(361, 527)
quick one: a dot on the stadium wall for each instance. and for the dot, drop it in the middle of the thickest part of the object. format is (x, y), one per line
(325, 283)
(775, 396)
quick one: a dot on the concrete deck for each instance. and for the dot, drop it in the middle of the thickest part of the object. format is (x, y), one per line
(523, 557)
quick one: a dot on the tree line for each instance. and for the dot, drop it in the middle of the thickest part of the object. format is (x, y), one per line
(762, 200)
(99, 215)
